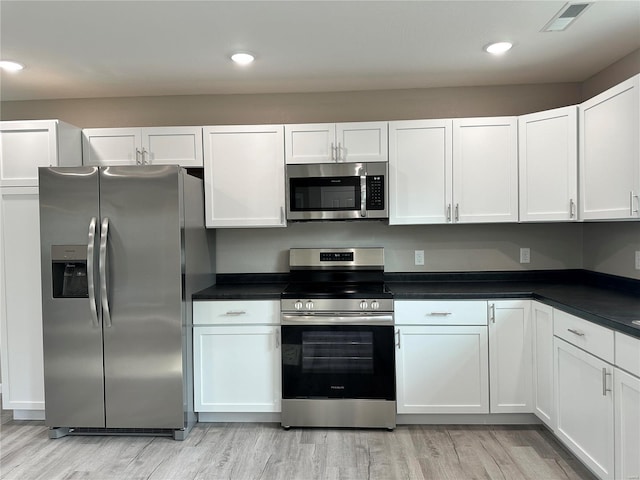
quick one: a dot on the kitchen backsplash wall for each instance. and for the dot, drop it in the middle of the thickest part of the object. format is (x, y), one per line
(610, 247)
(494, 247)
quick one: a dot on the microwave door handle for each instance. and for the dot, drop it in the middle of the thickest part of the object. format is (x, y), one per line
(363, 192)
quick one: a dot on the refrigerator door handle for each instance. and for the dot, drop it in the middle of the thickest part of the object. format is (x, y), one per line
(91, 279)
(104, 297)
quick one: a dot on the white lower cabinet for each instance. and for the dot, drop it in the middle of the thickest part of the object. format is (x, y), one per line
(542, 356)
(510, 356)
(627, 425)
(434, 340)
(585, 406)
(237, 359)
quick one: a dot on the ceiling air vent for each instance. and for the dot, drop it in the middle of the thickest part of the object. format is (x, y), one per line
(565, 17)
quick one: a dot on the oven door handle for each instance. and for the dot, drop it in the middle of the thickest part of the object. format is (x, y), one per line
(337, 319)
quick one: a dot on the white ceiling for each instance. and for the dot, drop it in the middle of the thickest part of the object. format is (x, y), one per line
(79, 49)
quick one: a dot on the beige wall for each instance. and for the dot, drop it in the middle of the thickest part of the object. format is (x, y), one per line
(446, 247)
(298, 108)
(610, 247)
(615, 73)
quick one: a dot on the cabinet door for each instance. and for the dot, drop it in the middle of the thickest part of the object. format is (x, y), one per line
(442, 369)
(510, 356)
(627, 425)
(237, 368)
(25, 146)
(112, 146)
(420, 169)
(584, 406)
(244, 176)
(485, 170)
(610, 153)
(542, 344)
(172, 146)
(362, 142)
(548, 163)
(20, 300)
(310, 143)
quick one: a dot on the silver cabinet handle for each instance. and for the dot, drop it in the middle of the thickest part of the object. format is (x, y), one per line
(398, 334)
(104, 291)
(145, 153)
(235, 313)
(576, 332)
(91, 241)
(277, 339)
(604, 382)
(572, 208)
(363, 192)
(438, 314)
(632, 196)
(449, 212)
(282, 217)
(138, 155)
(492, 312)
(457, 215)
(334, 153)
(339, 157)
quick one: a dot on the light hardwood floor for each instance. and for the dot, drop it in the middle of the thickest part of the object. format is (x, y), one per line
(264, 451)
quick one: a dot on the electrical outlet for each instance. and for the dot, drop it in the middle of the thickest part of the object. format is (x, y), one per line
(637, 259)
(419, 257)
(525, 255)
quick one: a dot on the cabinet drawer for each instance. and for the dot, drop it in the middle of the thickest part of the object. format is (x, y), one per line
(440, 312)
(628, 353)
(586, 335)
(235, 312)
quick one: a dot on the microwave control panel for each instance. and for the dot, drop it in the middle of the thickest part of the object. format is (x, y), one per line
(375, 192)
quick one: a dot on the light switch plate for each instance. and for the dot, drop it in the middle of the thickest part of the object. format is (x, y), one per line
(419, 257)
(525, 255)
(637, 259)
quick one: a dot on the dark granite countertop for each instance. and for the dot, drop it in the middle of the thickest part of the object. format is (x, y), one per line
(610, 301)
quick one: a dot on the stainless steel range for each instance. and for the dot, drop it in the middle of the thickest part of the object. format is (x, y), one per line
(338, 355)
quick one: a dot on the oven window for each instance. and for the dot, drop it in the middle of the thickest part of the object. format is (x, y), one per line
(324, 194)
(337, 352)
(338, 361)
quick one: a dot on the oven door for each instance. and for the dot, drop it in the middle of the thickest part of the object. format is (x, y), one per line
(338, 361)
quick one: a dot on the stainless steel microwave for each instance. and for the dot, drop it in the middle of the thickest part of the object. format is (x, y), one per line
(337, 191)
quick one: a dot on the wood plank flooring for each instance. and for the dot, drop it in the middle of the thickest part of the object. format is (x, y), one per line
(264, 451)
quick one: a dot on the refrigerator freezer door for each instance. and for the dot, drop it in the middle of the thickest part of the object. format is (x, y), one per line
(143, 341)
(72, 332)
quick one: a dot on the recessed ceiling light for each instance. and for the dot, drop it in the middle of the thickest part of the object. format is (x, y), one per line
(242, 58)
(498, 48)
(9, 66)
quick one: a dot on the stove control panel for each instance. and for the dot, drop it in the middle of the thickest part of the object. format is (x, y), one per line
(336, 305)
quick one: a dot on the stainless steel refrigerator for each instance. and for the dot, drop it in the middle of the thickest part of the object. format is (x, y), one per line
(123, 248)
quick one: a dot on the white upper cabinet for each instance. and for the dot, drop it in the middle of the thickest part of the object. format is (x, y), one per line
(336, 142)
(609, 153)
(420, 172)
(143, 146)
(548, 147)
(27, 145)
(485, 170)
(244, 176)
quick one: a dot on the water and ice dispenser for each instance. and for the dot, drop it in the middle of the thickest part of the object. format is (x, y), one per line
(69, 271)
